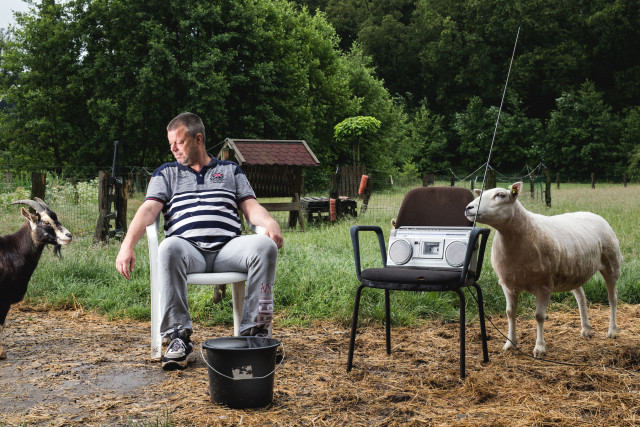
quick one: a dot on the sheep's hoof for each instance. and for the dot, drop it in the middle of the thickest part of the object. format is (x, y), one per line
(613, 332)
(508, 346)
(3, 355)
(539, 350)
(586, 332)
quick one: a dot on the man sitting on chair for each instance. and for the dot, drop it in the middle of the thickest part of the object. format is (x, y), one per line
(199, 196)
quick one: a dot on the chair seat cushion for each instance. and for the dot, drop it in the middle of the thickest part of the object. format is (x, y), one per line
(410, 278)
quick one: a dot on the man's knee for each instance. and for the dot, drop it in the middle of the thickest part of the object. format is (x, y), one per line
(171, 250)
(267, 248)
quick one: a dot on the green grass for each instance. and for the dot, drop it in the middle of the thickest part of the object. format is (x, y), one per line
(315, 273)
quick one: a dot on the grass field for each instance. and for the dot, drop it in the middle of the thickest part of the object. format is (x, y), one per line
(315, 273)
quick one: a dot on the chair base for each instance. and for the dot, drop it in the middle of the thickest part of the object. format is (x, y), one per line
(483, 332)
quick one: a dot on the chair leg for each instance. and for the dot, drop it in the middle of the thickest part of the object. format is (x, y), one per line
(462, 333)
(354, 324)
(483, 329)
(387, 315)
(237, 296)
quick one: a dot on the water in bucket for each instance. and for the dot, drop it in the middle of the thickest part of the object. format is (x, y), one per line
(241, 370)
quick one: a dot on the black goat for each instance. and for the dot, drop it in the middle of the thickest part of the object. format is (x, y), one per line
(20, 253)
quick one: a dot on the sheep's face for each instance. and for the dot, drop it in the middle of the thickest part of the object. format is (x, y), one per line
(46, 229)
(495, 207)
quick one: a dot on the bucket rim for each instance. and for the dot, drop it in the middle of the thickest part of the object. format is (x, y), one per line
(208, 344)
(242, 379)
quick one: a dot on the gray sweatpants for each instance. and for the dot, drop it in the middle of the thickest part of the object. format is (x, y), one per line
(255, 254)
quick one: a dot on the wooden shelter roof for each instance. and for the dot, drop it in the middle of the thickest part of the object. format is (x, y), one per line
(271, 152)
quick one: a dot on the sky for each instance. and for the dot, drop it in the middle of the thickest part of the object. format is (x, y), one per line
(6, 11)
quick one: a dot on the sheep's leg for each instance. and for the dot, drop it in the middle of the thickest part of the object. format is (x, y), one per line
(542, 301)
(611, 281)
(582, 308)
(511, 297)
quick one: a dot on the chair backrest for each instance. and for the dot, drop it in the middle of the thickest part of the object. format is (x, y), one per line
(435, 206)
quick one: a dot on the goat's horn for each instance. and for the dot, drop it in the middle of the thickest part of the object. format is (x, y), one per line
(32, 204)
(42, 203)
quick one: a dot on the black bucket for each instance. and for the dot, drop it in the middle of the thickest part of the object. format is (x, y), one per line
(241, 370)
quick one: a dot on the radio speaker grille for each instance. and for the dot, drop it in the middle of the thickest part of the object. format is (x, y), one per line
(400, 251)
(455, 253)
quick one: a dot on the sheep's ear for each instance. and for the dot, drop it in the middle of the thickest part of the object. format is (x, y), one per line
(477, 191)
(32, 218)
(516, 189)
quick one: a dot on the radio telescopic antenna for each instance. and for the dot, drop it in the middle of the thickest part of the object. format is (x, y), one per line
(486, 168)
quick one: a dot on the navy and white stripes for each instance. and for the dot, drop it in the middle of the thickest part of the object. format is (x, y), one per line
(201, 207)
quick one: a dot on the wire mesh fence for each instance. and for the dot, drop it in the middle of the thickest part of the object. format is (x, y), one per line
(74, 195)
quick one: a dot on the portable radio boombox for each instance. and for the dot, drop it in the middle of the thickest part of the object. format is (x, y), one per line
(436, 248)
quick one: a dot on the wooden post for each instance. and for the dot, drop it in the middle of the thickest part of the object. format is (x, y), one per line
(121, 217)
(593, 180)
(453, 180)
(624, 180)
(38, 185)
(76, 195)
(532, 187)
(102, 226)
(490, 180)
(558, 180)
(428, 179)
(471, 184)
(547, 188)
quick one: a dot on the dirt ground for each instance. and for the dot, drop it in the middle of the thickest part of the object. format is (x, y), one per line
(72, 367)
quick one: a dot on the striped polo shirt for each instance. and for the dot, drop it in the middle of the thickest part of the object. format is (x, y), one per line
(201, 207)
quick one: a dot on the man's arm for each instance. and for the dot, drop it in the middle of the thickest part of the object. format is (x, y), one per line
(146, 214)
(258, 216)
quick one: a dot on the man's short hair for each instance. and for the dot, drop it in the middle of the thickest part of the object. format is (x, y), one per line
(192, 123)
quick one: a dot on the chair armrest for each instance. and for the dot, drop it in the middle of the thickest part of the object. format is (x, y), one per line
(483, 235)
(152, 241)
(355, 241)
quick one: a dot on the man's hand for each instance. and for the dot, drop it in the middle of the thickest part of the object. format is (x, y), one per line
(125, 262)
(259, 217)
(146, 214)
(273, 231)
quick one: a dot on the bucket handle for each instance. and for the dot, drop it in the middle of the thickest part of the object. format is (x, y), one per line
(238, 379)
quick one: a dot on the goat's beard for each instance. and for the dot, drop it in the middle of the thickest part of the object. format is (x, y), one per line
(56, 251)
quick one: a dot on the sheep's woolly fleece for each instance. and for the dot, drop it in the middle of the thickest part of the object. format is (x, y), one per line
(73, 367)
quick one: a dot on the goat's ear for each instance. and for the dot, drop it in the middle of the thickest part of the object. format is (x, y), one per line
(32, 218)
(478, 192)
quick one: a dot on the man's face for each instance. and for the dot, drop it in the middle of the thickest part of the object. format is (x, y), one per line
(183, 147)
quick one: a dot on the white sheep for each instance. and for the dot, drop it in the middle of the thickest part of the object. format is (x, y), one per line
(544, 254)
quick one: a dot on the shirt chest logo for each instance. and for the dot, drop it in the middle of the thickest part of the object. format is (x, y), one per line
(217, 177)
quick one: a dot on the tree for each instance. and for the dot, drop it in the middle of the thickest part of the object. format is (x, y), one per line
(40, 81)
(353, 129)
(583, 135)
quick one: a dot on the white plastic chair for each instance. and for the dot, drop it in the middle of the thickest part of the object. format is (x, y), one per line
(237, 280)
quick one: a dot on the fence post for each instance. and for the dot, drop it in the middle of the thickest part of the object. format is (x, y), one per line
(102, 226)
(593, 180)
(624, 180)
(490, 180)
(547, 188)
(532, 187)
(558, 180)
(38, 185)
(453, 180)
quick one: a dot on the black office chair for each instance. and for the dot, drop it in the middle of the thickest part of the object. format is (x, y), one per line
(426, 206)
